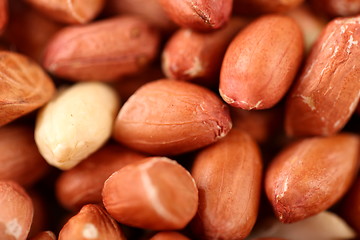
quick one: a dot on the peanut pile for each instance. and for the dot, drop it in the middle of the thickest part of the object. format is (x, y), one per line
(179, 119)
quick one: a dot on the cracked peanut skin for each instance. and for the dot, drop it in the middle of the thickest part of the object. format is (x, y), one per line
(201, 15)
(261, 63)
(311, 175)
(328, 90)
(168, 117)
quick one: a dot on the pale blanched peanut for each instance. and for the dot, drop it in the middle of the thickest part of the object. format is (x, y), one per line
(16, 211)
(156, 193)
(76, 123)
(325, 225)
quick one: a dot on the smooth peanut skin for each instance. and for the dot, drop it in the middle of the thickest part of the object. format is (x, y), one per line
(150, 10)
(311, 175)
(4, 15)
(255, 7)
(350, 207)
(20, 159)
(196, 56)
(310, 23)
(102, 51)
(36, 30)
(261, 63)
(71, 12)
(201, 15)
(167, 117)
(46, 235)
(169, 236)
(162, 195)
(16, 210)
(328, 89)
(228, 175)
(83, 184)
(335, 8)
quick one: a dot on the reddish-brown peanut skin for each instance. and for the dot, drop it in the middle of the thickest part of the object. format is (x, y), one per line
(156, 193)
(20, 159)
(36, 30)
(92, 222)
(311, 175)
(169, 236)
(268, 239)
(16, 211)
(197, 56)
(203, 15)
(337, 7)
(328, 90)
(264, 6)
(167, 117)
(24, 86)
(151, 10)
(73, 12)
(350, 207)
(260, 125)
(310, 23)
(83, 184)
(103, 50)
(46, 235)
(228, 176)
(3, 14)
(261, 63)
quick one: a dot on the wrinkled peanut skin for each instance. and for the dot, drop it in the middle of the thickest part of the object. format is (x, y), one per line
(228, 175)
(328, 90)
(261, 63)
(167, 117)
(201, 15)
(24, 86)
(72, 12)
(91, 53)
(311, 175)
(197, 56)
